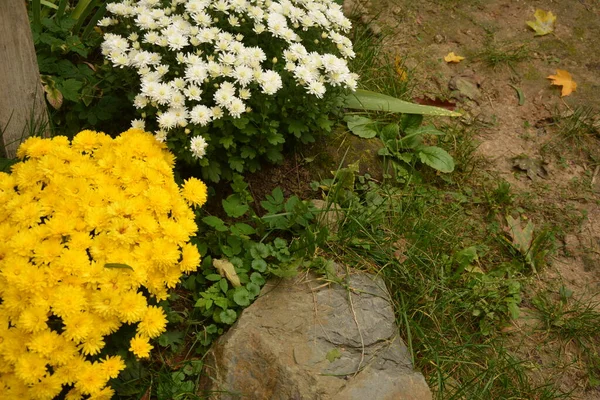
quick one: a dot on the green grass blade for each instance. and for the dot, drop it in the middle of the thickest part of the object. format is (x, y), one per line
(91, 4)
(367, 100)
(62, 5)
(48, 4)
(80, 8)
(93, 21)
(36, 10)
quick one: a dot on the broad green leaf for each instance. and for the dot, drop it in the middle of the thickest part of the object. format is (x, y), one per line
(234, 207)
(367, 100)
(253, 289)
(436, 158)
(257, 279)
(228, 316)
(361, 126)
(242, 229)
(215, 222)
(410, 122)
(259, 264)
(390, 132)
(241, 297)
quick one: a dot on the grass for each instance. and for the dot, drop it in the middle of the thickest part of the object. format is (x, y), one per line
(455, 278)
(495, 54)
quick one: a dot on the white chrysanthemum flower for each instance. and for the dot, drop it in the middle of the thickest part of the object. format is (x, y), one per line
(198, 146)
(196, 73)
(201, 115)
(163, 94)
(236, 107)
(167, 120)
(243, 75)
(161, 135)
(317, 88)
(270, 82)
(193, 92)
(107, 21)
(138, 124)
(140, 101)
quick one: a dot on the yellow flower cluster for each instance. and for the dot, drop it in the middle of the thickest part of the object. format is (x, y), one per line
(86, 229)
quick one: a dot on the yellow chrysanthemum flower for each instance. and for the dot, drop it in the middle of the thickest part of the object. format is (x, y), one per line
(87, 227)
(140, 346)
(194, 191)
(153, 322)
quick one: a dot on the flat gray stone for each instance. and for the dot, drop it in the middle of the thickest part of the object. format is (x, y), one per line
(302, 339)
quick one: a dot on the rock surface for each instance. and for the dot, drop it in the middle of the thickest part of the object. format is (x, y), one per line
(303, 339)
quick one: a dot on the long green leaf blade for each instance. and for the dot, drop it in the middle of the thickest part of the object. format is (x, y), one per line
(36, 10)
(61, 9)
(80, 8)
(367, 100)
(94, 20)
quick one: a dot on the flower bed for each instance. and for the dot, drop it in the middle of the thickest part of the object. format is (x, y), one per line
(92, 233)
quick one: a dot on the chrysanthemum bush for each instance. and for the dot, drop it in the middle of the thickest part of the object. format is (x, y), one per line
(92, 233)
(228, 82)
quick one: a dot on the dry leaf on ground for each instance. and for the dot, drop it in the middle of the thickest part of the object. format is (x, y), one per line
(227, 270)
(453, 58)
(544, 22)
(399, 66)
(563, 78)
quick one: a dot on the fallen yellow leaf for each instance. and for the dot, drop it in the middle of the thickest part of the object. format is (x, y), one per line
(563, 78)
(453, 58)
(544, 22)
(402, 75)
(227, 270)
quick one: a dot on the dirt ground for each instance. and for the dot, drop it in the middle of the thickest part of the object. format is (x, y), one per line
(502, 58)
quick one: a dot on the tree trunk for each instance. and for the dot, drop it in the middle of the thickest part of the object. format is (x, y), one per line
(22, 105)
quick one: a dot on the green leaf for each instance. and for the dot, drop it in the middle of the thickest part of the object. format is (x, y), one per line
(241, 296)
(70, 89)
(259, 264)
(215, 222)
(226, 141)
(242, 229)
(228, 316)
(240, 123)
(213, 277)
(367, 100)
(221, 302)
(236, 164)
(171, 338)
(253, 289)
(117, 266)
(234, 207)
(390, 132)
(297, 127)
(361, 126)
(223, 285)
(333, 355)
(410, 122)
(257, 278)
(436, 158)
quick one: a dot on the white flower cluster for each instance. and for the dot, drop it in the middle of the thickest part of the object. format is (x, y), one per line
(194, 63)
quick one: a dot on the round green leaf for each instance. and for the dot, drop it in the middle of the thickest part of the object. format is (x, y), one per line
(228, 316)
(241, 296)
(259, 264)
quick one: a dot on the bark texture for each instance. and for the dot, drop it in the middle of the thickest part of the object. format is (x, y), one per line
(22, 104)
